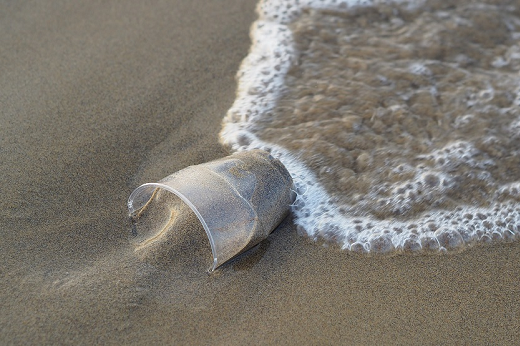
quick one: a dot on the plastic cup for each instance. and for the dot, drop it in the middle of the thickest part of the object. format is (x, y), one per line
(239, 199)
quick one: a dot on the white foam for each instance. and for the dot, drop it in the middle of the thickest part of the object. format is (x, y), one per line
(260, 82)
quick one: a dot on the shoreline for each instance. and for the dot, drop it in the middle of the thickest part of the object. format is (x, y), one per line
(126, 94)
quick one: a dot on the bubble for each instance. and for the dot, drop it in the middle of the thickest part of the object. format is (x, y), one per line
(449, 239)
(431, 180)
(381, 244)
(485, 239)
(487, 225)
(357, 247)
(411, 245)
(429, 243)
(432, 226)
(466, 235)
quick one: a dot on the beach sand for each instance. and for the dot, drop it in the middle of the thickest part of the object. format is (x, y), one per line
(99, 97)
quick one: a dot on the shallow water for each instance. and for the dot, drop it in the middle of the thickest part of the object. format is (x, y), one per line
(399, 123)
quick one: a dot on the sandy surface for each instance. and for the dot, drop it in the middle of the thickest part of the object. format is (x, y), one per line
(98, 97)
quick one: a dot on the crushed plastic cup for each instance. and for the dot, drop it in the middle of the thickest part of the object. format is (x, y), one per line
(239, 199)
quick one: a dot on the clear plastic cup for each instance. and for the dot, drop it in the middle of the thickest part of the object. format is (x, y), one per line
(239, 199)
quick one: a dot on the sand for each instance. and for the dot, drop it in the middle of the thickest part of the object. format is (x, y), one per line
(99, 97)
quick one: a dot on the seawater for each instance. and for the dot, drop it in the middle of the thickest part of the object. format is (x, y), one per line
(398, 120)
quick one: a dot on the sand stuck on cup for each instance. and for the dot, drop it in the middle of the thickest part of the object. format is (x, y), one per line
(237, 200)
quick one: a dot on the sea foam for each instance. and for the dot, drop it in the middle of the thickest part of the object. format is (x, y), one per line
(415, 210)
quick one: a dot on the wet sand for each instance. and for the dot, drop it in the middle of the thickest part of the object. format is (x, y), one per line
(97, 98)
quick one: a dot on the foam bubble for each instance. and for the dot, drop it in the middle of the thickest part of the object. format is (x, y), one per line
(425, 203)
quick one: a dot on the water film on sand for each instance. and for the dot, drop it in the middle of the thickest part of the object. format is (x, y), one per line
(399, 121)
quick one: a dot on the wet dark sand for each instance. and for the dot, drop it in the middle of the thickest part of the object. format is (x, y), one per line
(96, 98)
